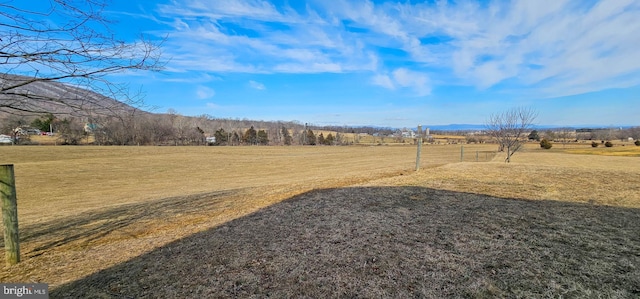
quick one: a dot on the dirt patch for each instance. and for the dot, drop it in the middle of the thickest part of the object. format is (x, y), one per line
(391, 242)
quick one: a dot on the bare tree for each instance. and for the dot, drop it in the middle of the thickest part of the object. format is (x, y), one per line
(70, 42)
(634, 133)
(565, 134)
(70, 131)
(511, 128)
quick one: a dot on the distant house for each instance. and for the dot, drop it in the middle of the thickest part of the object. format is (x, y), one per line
(408, 134)
(26, 131)
(5, 139)
(90, 128)
(211, 139)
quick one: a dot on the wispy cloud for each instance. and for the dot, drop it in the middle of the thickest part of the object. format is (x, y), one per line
(212, 106)
(384, 81)
(417, 81)
(404, 78)
(257, 37)
(256, 85)
(193, 78)
(203, 92)
(550, 48)
(545, 48)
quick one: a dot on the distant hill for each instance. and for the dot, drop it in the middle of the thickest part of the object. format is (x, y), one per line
(58, 98)
(481, 127)
(52, 97)
(455, 127)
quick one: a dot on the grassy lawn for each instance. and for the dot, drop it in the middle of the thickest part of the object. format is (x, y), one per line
(105, 221)
(539, 174)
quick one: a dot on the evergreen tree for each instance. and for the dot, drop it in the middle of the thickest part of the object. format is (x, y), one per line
(311, 138)
(250, 136)
(263, 137)
(44, 122)
(321, 139)
(534, 135)
(329, 140)
(221, 137)
(545, 144)
(286, 136)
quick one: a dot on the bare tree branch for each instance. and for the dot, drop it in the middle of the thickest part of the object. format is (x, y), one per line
(510, 128)
(80, 51)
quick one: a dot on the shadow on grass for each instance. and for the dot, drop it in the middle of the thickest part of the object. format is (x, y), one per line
(89, 226)
(396, 242)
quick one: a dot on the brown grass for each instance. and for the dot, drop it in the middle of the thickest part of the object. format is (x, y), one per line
(56, 182)
(391, 242)
(539, 174)
(628, 150)
(117, 209)
(55, 140)
(78, 206)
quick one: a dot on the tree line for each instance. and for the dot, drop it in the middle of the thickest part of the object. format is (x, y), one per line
(137, 127)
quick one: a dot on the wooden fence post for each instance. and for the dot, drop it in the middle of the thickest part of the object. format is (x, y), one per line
(9, 214)
(419, 148)
(462, 153)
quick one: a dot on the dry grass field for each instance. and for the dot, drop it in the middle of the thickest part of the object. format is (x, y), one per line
(628, 150)
(151, 222)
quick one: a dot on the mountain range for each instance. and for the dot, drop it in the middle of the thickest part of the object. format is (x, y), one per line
(23, 95)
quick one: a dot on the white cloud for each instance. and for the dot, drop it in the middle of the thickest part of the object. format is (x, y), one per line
(547, 48)
(258, 37)
(384, 81)
(256, 85)
(405, 78)
(418, 81)
(203, 92)
(550, 48)
(302, 68)
(194, 78)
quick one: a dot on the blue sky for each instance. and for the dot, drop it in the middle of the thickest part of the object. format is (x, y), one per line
(391, 63)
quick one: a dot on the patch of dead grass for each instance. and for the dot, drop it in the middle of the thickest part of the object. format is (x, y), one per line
(392, 242)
